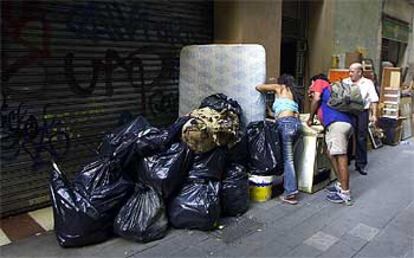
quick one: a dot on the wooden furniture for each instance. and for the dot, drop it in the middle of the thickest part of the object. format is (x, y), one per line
(394, 114)
(406, 111)
(390, 92)
(390, 103)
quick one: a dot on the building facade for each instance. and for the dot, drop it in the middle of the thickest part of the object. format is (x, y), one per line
(301, 37)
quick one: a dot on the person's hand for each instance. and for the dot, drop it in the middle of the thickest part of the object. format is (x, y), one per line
(309, 122)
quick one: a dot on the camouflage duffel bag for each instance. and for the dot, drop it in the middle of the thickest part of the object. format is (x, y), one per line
(209, 128)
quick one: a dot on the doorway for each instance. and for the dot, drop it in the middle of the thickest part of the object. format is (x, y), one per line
(294, 41)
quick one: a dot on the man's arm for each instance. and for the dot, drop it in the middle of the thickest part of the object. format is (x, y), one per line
(373, 112)
(316, 100)
(373, 96)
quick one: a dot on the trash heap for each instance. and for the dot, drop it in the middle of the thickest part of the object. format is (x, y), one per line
(146, 179)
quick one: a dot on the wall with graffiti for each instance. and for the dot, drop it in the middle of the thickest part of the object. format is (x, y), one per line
(73, 70)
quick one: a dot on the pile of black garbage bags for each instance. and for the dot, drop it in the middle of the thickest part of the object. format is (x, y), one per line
(146, 179)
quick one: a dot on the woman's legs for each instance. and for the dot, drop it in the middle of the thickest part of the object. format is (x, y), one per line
(289, 132)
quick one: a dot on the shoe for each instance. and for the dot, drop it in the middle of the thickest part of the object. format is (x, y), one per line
(290, 199)
(340, 198)
(362, 171)
(333, 189)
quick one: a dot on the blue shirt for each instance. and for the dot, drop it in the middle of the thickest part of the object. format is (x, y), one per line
(330, 115)
(283, 104)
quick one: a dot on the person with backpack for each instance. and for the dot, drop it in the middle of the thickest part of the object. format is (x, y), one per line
(338, 130)
(369, 114)
(286, 112)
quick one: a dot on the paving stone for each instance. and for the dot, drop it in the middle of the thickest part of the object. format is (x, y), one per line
(190, 252)
(404, 222)
(190, 237)
(273, 249)
(299, 233)
(268, 216)
(371, 218)
(296, 218)
(265, 236)
(383, 201)
(269, 204)
(276, 213)
(364, 231)
(324, 216)
(232, 250)
(321, 241)
(237, 229)
(410, 252)
(118, 247)
(410, 207)
(338, 250)
(303, 251)
(389, 243)
(340, 226)
(353, 242)
(164, 248)
(211, 245)
(382, 249)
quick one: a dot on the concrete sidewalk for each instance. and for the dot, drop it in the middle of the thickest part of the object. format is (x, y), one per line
(379, 224)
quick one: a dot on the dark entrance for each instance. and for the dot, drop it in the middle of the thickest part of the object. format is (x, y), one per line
(293, 47)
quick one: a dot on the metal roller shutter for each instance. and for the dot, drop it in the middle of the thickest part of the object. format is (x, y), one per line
(73, 70)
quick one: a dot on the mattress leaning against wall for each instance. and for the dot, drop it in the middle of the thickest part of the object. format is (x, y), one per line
(234, 70)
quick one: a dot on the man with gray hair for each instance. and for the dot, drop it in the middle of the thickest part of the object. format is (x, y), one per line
(369, 114)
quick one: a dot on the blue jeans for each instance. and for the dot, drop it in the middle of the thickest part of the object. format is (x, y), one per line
(289, 131)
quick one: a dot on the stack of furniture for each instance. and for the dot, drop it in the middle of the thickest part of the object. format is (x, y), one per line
(391, 120)
(406, 112)
(390, 92)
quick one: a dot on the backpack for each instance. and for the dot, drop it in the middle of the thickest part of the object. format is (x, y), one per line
(346, 98)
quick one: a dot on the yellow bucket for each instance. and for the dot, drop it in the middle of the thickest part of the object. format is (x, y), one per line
(260, 188)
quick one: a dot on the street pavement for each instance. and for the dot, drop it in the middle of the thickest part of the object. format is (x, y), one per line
(380, 223)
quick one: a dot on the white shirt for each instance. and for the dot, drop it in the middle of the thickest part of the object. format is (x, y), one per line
(368, 92)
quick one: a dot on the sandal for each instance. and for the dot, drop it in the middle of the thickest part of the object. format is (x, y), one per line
(290, 199)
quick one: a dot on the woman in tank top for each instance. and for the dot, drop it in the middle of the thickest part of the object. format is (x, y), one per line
(286, 113)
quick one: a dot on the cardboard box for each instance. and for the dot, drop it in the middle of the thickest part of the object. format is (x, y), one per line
(392, 130)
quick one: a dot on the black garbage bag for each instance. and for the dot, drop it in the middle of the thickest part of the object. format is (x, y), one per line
(152, 140)
(120, 142)
(209, 165)
(143, 218)
(238, 153)
(265, 153)
(79, 218)
(220, 102)
(235, 190)
(174, 130)
(165, 171)
(105, 186)
(140, 139)
(149, 142)
(197, 206)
